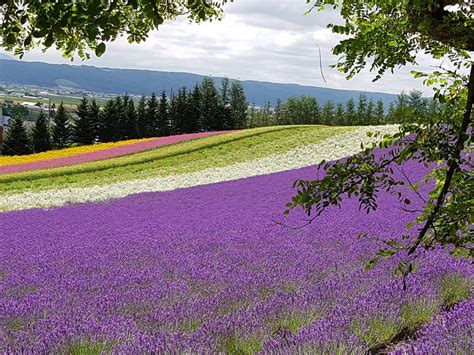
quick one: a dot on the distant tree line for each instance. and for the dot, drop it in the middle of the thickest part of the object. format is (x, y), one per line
(205, 108)
(364, 111)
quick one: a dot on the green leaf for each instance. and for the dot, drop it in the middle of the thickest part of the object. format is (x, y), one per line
(10, 39)
(48, 41)
(100, 49)
(371, 263)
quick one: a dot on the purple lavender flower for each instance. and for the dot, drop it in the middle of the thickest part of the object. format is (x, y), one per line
(207, 269)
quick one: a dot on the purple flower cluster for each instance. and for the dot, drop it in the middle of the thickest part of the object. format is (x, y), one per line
(207, 269)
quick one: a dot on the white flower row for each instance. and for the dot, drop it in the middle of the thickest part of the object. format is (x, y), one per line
(330, 149)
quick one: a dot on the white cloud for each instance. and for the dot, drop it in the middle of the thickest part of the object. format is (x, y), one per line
(269, 40)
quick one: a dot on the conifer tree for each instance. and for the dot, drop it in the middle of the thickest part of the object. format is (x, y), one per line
(152, 119)
(315, 110)
(195, 119)
(402, 108)
(163, 114)
(108, 122)
(131, 119)
(279, 111)
(391, 113)
(224, 104)
(224, 97)
(210, 106)
(350, 115)
(361, 110)
(61, 129)
(226, 118)
(94, 116)
(173, 115)
(369, 114)
(16, 140)
(250, 122)
(418, 105)
(293, 109)
(265, 114)
(379, 114)
(328, 112)
(339, 114)
(120, 120)
(181, 112)
(238, 105)
(123, 127)
(40, 135)
(301, 110)
(141, 118)
(83, 129)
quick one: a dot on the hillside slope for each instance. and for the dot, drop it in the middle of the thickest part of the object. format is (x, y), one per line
(132, 81)
(202, 161)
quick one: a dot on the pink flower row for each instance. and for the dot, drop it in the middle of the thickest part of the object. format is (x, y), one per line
(104, 154)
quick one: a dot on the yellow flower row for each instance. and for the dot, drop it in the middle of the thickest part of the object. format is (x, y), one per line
(66, 152)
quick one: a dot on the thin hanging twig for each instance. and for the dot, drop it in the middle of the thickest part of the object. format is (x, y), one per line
(321, 63)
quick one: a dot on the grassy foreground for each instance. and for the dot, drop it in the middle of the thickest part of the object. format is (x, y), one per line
(186, 157)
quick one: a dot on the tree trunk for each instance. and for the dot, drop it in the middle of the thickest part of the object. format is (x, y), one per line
(453, 165)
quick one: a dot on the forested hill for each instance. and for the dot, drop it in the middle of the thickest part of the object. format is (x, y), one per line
(132, 81)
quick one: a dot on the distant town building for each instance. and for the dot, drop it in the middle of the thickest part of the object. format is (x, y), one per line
(32, 105)
(4, 121)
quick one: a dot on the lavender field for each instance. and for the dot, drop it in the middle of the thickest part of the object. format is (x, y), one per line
(207, 269)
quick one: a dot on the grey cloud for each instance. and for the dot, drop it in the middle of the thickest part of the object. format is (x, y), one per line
(267, 40)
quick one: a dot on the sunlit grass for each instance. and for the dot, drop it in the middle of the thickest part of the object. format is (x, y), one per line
(186, 157)
(237, 345)
(379, 332)
(376, 332)
(293, 321)
(87, 347)
(454, 289)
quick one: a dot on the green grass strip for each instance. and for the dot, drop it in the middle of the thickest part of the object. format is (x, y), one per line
(185, 157)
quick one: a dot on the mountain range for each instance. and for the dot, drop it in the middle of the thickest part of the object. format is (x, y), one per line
(144, 82)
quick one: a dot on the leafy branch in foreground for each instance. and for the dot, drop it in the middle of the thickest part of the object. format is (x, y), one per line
(81, 26)
(390, 34)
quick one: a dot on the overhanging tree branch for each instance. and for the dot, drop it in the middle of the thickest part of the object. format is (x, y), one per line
(453, 164)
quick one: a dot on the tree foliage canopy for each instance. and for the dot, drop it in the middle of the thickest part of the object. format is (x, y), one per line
(383, 35)
(81, 26)
(392, 32)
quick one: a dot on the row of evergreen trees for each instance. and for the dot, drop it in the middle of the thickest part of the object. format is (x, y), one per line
(307, 110)
(205, 108)
(18, 141)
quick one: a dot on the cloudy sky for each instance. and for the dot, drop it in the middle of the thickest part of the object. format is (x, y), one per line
(267, 40)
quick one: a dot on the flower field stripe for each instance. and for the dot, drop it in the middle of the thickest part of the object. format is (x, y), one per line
(105, 153)
(329, 149)
(65, 152)
(207, 270)
(185, 157)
